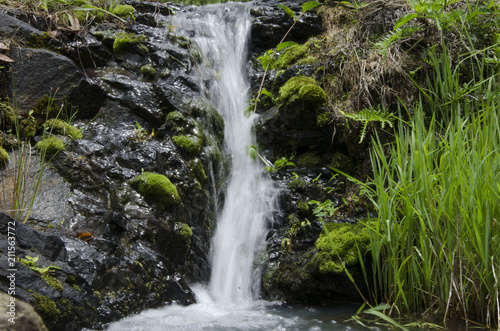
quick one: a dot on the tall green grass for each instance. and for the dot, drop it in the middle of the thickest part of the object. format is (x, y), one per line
(436, 242)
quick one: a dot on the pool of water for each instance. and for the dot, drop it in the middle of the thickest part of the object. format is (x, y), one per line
(259, 315)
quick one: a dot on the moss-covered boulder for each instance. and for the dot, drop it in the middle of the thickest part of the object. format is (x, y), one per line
(63, 128)
(338, 246)
(188, 143)
(156, 189)
(301, 88)
(297, 54)
(51, 145)
(317, 276)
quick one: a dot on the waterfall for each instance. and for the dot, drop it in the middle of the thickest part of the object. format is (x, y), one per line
(221, 34)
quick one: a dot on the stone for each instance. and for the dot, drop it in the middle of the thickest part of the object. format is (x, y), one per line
(22, 315)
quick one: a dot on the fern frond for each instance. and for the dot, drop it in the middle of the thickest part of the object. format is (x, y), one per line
(393, 37)
(368, 115)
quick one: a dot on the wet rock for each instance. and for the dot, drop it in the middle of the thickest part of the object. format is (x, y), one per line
(39, 72)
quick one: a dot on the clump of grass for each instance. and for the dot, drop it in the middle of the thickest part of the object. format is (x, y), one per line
(436, 243)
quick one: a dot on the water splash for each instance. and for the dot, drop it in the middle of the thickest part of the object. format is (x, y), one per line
(221, 34)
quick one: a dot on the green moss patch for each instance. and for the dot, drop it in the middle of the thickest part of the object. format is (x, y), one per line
(342, 250)
(63, 128)
(197, 169)
(301, 88)
(157, 189)
(184, 231)
(148, 70)
(124, 11)
(124, 41)
(189, 144)
(291, 55)
(47, 308)
(50, 145)
(308, 160)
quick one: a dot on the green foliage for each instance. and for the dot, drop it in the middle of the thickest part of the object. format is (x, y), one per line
(45, 272)
(324, 210)
(280, 163)
(301, 88)
(157, 189)
(197, 169)
(367, 116)
(188, 143)
(50, 146)
(60, 127)
(392, 37)
(338, 246)
(436, 242)
(141, 134)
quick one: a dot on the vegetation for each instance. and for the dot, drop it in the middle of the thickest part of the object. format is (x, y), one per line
(434, 246)
(157, 189)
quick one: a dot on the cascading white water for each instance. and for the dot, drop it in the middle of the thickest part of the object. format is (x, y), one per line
(221, 33)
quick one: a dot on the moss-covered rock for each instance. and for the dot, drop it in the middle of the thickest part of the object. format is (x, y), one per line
(124, 41)
(63, 128)
(184, 231)
(46, 307)
(156, 189)
(4, 156)
(124, 11)
(342, 162)
(148, 70)
(188, 143)
(308, 160)
(50, 145)
(301, 88)
(197, 169)
(176, 122)
(338, 246)
(291, 55)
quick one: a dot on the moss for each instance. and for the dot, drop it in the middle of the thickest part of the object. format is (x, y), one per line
(123, 41)
(148, 70)
(342, 162)
(53, 282)
(345, 238)
(291, 55)
(184, 231)
(157, 189)
(323, 119)
(297, 185)
(197, 169)
(63, 128)
(27, 128)
(303, 206)
(50, 145)
(46, 307)
(4, 156)
(8, 114)
(46, 107)
(301, 88)
(189, 144)
(76, 287)
(124, 11)
(308, 160)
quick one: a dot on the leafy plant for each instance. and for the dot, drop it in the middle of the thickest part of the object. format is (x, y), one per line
(367, 116)
(280, 163)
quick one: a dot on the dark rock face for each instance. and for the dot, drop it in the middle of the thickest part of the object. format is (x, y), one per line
(112, 253)
(59, 78)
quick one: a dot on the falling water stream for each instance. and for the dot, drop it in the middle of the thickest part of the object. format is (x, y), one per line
(230, 300)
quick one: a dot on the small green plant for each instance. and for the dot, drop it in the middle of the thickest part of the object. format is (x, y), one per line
(367, 116)
(280, 163)
(141, 134)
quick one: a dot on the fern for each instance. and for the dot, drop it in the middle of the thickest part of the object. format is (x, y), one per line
(370, 115)
(393, 37)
